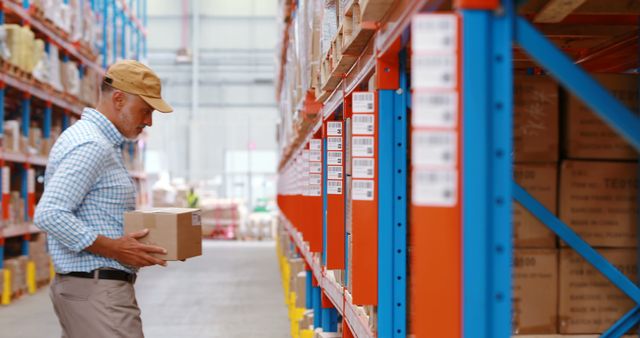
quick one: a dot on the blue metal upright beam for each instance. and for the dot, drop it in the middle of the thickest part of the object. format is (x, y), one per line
(114, 20)
(65, 122)
(576, 80)
(329, 320)
(105, 36)
(317, 307)
(123, 41)
(26, 115)
(46, 125)
(309, 291)
(486, 214)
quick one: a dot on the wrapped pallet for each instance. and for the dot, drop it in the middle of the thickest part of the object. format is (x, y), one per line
(70, 78)
(55, 79)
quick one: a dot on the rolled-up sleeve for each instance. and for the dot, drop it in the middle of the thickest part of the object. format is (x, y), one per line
(75, 176)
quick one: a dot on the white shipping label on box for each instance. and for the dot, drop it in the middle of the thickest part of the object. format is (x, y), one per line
(315, 145)
(362, 146)
(315, 155)
(434, 148)
(315, 167)
(6, 180)
(436, 188)
(334, 172)
(196, 219)
(434, 71)
(334, 143)
(334, 128)
(315, 190)
(362, 190)
(434, 33)
(363, 168)
(315, 179)
(433, 109)
(363, 124)
(363, 102)
(334, 187)
(334, 158)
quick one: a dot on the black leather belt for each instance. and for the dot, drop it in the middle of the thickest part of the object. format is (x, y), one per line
(105, 274)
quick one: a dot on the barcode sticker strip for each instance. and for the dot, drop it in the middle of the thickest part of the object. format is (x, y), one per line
(315, 168)
(363, 102)
(334, 158)
(334, 128)
(334, 172)
(334, 143)
(362, 146)
(362, 190)
(315, 190)
(315, 179)
(315, 145)
(315, 156)
(363, 124)
(434, 148)
(434, 187)
(363, 168)
(334, 187)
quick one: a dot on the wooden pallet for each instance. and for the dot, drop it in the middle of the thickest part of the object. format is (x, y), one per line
(375, 10)
(355, 32)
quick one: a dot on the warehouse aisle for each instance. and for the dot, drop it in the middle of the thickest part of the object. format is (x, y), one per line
(233, 290)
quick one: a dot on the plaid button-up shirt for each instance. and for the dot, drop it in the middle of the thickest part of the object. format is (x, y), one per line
(87, 190)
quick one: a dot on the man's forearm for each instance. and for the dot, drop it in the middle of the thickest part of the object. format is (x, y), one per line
(102, 246)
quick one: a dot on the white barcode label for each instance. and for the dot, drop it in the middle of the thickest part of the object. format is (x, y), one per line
(438, 110)
(31, 181)
(434, 33)
(196, 218)
(434, 148)
(363, 167)
(334, 158)
(433, 71)
(362, 190)
(315, 179)
(362, 146)
(315, 145)
(334, 128)
(315, 168)
(334, 143)
(334, 187)
(434, 187)
(363, 124)
(334, 172)
(363, 102)
(305, 156)
(315, 190)
(315, 156)
(6, 180)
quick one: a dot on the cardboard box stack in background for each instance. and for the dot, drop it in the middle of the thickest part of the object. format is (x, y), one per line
(38, 254)
(587, 135)
(18, 268)
(589, 303)
(535, 154)
(535, 291)
(598, 199)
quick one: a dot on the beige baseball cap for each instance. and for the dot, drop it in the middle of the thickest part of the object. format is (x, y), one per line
(133, 77)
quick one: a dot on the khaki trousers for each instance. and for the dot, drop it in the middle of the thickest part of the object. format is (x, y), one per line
(97, 308)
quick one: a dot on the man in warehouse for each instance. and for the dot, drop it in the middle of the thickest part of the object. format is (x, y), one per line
(87, 190)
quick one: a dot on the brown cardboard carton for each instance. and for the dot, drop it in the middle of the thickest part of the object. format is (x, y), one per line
(178, 230)
(587, 135)
(589, 303)
(306, 323)
(540, 180)
(296, 265)
(536, 119)
(599, 201)
(535, 291)
(301, 290)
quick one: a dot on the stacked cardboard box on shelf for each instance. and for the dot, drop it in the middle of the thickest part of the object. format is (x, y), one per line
(18, 268)
(598, 200)
(536, 148)
(38, 254)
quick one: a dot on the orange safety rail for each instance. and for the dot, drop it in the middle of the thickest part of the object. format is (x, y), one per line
(477, 4)
(335, 202)
(435, 240)
(364, 232)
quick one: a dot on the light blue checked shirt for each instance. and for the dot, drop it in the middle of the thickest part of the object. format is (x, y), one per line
(87, 190)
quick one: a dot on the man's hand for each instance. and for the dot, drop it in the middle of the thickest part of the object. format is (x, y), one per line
(127, 250)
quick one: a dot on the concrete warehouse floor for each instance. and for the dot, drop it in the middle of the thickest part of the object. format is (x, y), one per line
(233, 290)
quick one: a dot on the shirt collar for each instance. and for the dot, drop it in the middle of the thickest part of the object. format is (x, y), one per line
(106, 127)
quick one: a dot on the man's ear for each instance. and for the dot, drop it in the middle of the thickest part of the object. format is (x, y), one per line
(119, 99)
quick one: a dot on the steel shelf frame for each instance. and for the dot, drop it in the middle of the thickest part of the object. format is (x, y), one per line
(489, 33)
